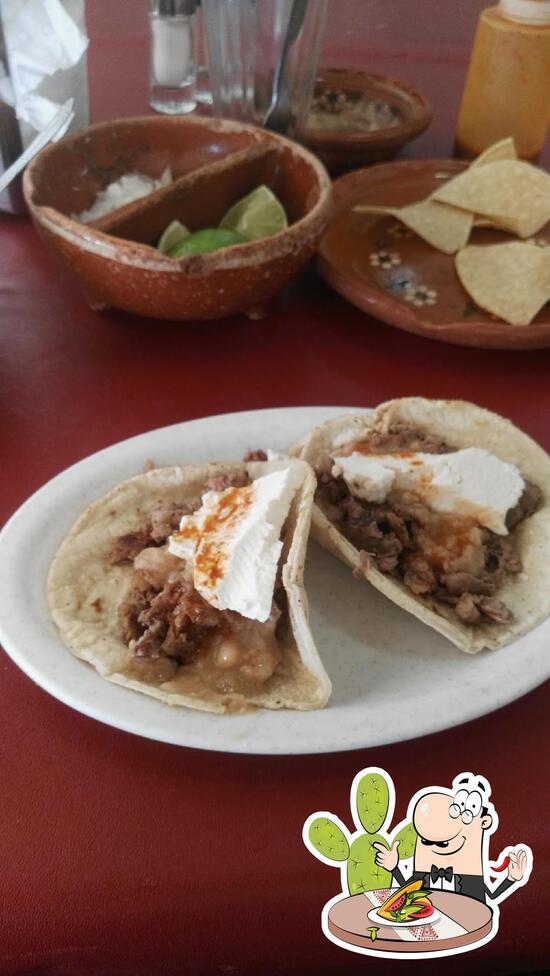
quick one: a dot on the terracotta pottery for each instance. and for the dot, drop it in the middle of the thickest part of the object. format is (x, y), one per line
(342, 149)
(213, 164)
(387, 271)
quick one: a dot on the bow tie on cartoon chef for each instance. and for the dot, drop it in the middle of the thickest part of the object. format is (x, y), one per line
(451, 852)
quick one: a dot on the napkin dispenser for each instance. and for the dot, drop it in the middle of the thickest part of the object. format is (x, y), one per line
(42, 63)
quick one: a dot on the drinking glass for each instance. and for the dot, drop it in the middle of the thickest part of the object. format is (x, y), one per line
(203, 92)
(262, 57)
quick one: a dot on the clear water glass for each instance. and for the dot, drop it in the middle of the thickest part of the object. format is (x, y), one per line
(203, 91)
(245, 41)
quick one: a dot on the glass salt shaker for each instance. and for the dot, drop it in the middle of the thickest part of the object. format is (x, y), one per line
(172, 56)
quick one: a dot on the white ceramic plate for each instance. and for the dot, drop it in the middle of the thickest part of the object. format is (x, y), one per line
(393, 677)
(374, 916)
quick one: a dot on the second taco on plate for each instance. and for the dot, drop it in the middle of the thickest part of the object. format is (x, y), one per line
(445, 508)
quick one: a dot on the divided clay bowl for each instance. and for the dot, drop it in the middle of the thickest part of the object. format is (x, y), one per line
(213, 163)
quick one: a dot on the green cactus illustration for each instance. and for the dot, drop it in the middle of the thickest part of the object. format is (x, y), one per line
(373, 798)
(364, 874)
(372, 802)
(407, 841)
(327, 838)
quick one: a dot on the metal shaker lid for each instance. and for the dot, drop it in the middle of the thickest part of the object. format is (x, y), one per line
(177, 8)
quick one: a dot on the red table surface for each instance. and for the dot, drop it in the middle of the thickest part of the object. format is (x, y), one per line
(119, 855)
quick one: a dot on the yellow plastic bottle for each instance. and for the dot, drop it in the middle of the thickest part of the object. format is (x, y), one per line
(507, 91)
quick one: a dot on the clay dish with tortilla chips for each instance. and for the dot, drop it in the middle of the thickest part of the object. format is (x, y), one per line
(445, 508)
(425, 246)
(131, 608)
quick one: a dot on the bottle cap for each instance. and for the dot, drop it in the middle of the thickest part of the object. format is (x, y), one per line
(177, 8)
(526, 11)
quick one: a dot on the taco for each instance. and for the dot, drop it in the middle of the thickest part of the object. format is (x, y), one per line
(406, 904)
(144, 587)
(445, 508)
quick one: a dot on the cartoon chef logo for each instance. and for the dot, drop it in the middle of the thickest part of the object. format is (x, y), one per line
(431, 887)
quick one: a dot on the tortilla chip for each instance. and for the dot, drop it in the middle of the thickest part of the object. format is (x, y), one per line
(84, 591)
(485, 222)
(513, 194)
(445, 228)
(510, 280)
(527, 594)
(504, 149)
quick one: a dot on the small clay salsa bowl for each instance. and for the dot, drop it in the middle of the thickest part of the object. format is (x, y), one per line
(213, 164)
(347, 103)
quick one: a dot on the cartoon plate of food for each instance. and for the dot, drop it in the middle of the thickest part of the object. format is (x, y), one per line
(408, 905)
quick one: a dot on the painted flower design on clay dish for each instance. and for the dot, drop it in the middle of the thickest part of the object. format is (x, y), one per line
(384, 259)
(399, 230)
(420, 295)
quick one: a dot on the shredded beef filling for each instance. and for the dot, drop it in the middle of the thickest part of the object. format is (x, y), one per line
(233, 479)
(166, 622)
(257, 455)
(165, 519)
(452, 560)
(527, 504)
(125, 548)
(168, 626)
(400, 437)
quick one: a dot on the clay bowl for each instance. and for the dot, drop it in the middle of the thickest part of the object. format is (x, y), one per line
(339, 95)
(213, 164)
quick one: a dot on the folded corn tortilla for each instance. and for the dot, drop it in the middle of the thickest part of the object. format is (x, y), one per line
(461, 425)
(84, 590)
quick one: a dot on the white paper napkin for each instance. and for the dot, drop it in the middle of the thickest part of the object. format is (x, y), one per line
(45, 40)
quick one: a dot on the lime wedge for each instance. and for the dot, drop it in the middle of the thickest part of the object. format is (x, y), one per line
(257, 215)
(204, 241)
(174, 234)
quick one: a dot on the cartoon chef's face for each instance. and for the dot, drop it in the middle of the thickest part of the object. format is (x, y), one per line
(450, 831)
